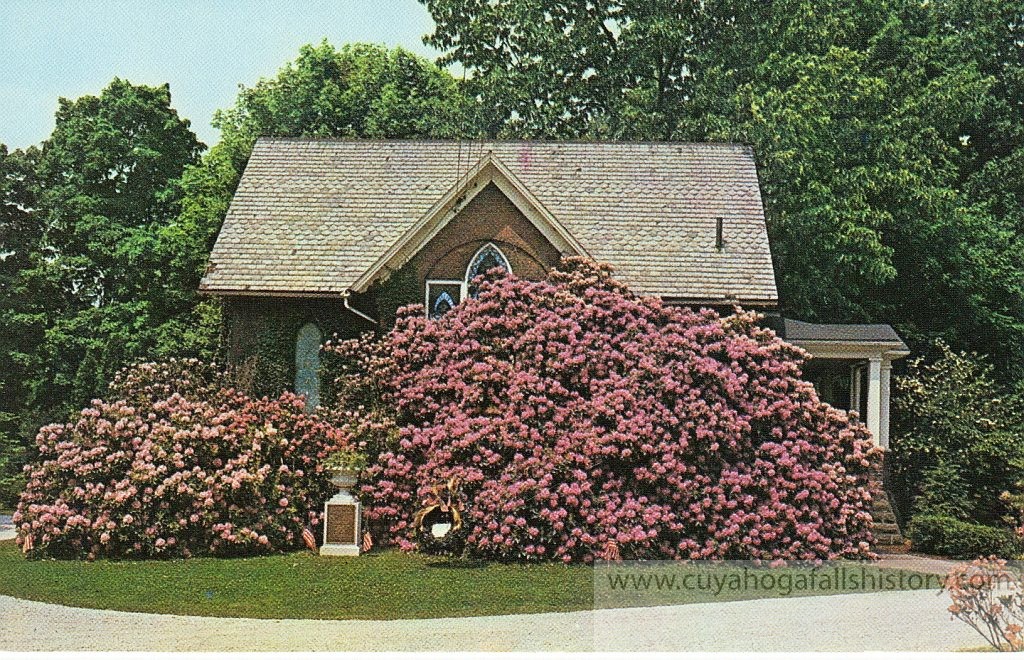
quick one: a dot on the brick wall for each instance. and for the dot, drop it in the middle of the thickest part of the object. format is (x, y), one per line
(262, 330)
(488, 218)
(261, 335)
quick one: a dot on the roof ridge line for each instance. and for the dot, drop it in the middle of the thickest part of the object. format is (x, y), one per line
(453, 141)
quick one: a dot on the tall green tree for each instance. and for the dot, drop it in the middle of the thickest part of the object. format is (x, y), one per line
(960, 443)
(97, 285)
(886, 131)
(106, 229)
(991, 35)
(21, 324)
(359, 90)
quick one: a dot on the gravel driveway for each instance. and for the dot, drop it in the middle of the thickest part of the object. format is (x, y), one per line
(891, 621)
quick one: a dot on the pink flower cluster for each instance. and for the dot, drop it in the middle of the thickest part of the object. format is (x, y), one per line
(176, 465)
(582, 420)
(988, 595)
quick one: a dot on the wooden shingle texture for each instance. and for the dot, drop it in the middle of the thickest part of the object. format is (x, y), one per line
(311, 216)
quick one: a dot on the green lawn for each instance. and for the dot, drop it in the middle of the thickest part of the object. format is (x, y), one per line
(381, 585)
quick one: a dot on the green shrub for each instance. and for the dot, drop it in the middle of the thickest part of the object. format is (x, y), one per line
(949, 537)
(945, 491)
(959, 436)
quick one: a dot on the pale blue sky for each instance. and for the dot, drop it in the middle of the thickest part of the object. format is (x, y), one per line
(54, 48)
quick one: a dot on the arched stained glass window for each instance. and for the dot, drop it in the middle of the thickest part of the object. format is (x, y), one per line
(442, 305)
(307, 364)
(487, 258)
(442, 296)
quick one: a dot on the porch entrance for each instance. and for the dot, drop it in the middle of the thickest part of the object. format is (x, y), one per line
(850, 366)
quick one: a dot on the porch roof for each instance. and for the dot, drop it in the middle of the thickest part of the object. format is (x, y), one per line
(841, 340)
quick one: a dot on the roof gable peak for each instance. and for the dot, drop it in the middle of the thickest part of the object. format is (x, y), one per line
(489, 169)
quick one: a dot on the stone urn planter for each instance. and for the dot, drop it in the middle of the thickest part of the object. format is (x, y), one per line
(342, 515)
(343, 478)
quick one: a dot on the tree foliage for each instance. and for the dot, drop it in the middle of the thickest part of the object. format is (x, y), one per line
(20, 314)
(87, 275)
(359, 90)
(888, 133)
(99, 275)
(960, 443)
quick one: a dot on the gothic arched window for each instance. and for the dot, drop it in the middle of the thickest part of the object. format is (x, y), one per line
(442, 296)
(486, 259)
(307, 364)
(442, 305)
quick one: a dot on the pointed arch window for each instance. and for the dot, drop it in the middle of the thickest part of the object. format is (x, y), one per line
(307, 364)
(486, 258)
(443, 295)
(442, 305)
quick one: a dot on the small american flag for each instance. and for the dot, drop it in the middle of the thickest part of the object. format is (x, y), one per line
(28, 544)
(367, 542)
(309, 538)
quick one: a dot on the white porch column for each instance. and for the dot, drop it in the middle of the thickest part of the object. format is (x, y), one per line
(883, 427)
(874, 416)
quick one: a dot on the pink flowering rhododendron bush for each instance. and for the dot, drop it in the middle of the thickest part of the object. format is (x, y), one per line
(581, 421)
(176, 464)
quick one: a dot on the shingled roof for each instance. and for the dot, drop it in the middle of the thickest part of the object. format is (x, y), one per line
(311, 217)
(811, 334)
(879, 333)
